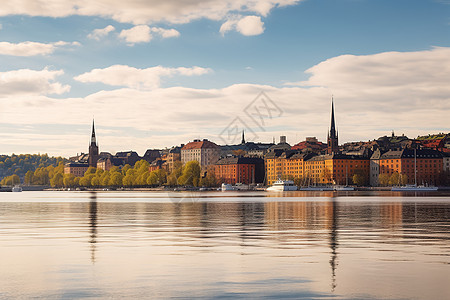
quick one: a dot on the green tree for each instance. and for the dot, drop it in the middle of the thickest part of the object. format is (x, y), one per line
(191, 174)
(57, 180)
(383, 179)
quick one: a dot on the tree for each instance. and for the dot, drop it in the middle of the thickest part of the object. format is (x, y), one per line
(394, 179)
(57, 180)
(191, 174)
(69, 180)
(358, 179)
(28, 178)
(116, 179)
(384, 179)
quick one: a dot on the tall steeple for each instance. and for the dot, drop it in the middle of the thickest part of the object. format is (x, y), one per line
(243, 138)
(333, 145)
(93, 138)
(93, 148)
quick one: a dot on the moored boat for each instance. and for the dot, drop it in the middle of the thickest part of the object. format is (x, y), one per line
(282, 185)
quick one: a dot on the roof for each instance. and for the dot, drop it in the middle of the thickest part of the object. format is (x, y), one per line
(409, 153)
(308, 144)
(233, 160)
(76, 165)
(197, 144)
(126, 154)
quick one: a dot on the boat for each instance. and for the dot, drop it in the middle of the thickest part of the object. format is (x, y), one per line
(414, 187)
(16, 189)
(282, 185)
(241, 187)
(343, 188)
(227, 187)
(316, 188)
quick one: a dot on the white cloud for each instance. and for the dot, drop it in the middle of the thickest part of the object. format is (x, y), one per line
(166, 33)
(142, 12)
(137, 34)
(97, 34)
(407, 92)
(31, 82)
(143, 34)
(150, 78)
(249, 25)
(32, 48)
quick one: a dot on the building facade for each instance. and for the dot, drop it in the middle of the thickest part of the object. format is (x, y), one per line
(246, 170)
(205, 152)
(420, 166)
(76, 168)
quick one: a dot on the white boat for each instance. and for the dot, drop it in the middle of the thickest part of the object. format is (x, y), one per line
(16, 189)
(241, 187)
(227, 187)
(282, 185)
(316, 188)
(414, 188)
(343, 188)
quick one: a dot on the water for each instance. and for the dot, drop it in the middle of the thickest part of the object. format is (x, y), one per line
(224, 245)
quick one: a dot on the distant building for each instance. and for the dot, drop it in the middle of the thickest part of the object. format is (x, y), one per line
(77, 169)
(246, 170)
(440, 142)
(106, 163)
(374, 173)
(151, 155)
(157, 165)
(311, 144)
(128, 157)
(205, 152)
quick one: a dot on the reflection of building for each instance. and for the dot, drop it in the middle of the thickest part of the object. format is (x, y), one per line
(205, 152)
(246, 170)
(391, 213)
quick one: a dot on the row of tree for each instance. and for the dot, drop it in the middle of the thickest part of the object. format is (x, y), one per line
(127, 176)
(20, 164)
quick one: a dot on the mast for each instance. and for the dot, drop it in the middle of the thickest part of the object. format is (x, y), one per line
(415, 167)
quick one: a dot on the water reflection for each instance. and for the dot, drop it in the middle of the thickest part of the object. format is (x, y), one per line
(314, 248)
(93, 224)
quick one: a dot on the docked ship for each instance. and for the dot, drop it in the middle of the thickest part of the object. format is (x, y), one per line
(282, 185)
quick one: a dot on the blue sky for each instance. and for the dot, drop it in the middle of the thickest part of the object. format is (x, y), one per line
(298, 52)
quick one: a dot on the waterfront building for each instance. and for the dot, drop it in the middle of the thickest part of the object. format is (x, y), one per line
(205, 152)
(374, 172)
(76, 168)
(285, 165)
(245, 170)
(425, 165)
(93, 149)
(173, 156)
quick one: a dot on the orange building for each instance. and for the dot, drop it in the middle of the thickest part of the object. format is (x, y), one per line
(428, 164)
(285, 165)
(246, 170)
(77, 169)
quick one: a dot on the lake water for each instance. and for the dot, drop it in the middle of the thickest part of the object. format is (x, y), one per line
(187, 245)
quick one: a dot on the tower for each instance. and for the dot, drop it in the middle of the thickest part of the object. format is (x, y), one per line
(93, 149)
(243, 138)
(332, 143)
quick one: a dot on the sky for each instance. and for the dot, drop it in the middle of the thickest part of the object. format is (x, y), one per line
(155, 74)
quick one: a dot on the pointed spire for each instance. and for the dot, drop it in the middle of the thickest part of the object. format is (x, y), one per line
(93, 139)
(333, 125)
(243, 137)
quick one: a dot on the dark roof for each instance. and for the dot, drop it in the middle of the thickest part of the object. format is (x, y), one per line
(233, 160)
(152, 153)
(409, 153)
(126, 154)
(76, 165)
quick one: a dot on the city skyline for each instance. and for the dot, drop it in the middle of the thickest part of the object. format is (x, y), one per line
(155, 77)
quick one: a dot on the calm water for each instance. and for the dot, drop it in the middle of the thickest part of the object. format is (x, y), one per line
(224, 245)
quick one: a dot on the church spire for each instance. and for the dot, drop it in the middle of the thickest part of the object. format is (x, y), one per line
(243, 138)
(333, 146)
(93, 138)
(333, 133)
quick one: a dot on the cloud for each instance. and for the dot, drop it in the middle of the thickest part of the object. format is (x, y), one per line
(31, 82)
(97, 34)
(143, 34)
(143, 12)
(249, 25)
(150, 78)
(404, 91)
(32, 48)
